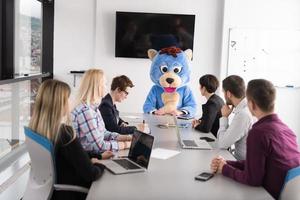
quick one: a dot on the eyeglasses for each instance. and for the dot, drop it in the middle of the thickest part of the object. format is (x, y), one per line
(126, 93)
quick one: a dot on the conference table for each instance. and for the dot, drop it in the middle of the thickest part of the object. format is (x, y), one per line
(173, 178)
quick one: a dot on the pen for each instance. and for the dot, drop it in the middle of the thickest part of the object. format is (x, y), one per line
(289, 86)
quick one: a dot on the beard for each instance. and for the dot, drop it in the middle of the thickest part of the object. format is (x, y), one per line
(228, 101)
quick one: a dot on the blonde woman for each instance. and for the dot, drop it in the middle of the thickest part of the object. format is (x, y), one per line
(73, 165)
(87, 120)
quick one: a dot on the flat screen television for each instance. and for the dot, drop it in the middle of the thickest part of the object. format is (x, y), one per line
(137, 32)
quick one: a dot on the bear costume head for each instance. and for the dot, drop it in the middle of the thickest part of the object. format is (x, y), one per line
(170, 67)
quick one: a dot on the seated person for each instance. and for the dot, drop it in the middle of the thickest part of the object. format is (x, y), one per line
(73, 165)
(118, 92)
(211, 110)
(87, 120)
(236, 132)
(272, 147)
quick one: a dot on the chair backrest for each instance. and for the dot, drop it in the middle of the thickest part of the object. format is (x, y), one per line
(291, 186)
(42, 173)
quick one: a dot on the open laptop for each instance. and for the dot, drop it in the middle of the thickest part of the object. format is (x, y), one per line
(186, 140)
(138, 157)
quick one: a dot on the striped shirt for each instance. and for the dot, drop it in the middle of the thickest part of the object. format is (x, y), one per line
(90, 129)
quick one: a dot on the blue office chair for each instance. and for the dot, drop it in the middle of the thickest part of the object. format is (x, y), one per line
(291, 186)
(42, 179)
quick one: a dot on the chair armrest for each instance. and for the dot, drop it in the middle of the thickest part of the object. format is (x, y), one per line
(73, 188)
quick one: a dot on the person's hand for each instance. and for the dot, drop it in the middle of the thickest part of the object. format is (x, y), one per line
(214, 165)
(195, 123)
(217, 164)
(176, 113)
(124, 124)
(226, 110)
(124, 138)
(121, 145)
(141, 127)
(94, 160)
(222, 162)
(107, 155)
(159, 112)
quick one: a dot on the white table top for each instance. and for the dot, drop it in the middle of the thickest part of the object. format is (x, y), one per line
(173, 178)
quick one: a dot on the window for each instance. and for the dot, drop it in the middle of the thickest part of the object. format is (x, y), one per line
(26, 59)
(16, 102)
(28, 37)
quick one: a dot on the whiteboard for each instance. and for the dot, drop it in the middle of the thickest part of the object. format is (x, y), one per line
(268, 54)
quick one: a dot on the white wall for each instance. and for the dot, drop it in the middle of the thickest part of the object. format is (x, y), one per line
(266, 14)
(77, 45)
(74, 37)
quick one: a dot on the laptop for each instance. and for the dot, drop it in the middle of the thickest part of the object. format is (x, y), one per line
(138, 156)
(186, 140)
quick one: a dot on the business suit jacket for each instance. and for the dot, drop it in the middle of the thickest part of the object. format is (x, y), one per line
(111, 118)
(211, 112)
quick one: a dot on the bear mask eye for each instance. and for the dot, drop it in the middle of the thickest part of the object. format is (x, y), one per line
(177, 70)
(163, 68)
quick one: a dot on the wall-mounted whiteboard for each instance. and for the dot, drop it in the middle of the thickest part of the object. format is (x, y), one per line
(268, 54)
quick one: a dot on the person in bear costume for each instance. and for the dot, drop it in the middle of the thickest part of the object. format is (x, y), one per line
(170, 72)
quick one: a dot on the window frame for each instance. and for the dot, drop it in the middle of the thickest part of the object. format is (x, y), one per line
(7, 42)
(7, 37)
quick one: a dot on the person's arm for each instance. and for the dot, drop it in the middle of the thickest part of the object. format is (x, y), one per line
(240, 164)
(111, 122)
(92, 154)
(121, 121)
(228, 135)
(96, 133)
(151, 102)
(209, 115)
(254, 167)
(189, 105)
(74, 154)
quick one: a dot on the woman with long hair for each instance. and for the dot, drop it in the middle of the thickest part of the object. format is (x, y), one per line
(87, 120)
(50, 119)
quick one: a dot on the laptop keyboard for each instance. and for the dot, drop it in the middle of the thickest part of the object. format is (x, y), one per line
(126, 164)
(189, 143)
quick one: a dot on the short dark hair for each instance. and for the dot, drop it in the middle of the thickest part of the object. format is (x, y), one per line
(121, 82)
(235, 85)
(263, 93)
(210, 82)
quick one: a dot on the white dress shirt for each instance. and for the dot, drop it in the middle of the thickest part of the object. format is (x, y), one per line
(236, 133)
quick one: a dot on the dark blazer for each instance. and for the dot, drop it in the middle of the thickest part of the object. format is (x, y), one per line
(111, 118)
(73, 165)
(211, 112)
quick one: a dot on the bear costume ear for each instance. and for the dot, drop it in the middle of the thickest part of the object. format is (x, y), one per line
(188, 53)
(152, 53)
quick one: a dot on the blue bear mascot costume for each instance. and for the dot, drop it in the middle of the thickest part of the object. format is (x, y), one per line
(170, 72)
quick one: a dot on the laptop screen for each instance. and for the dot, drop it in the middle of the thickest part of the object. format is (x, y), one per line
(141, 147)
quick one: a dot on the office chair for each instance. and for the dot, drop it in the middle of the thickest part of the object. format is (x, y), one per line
(42, 179)
(291, 186)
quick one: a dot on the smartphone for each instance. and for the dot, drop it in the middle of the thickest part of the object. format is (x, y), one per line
(207, 139)
(204, 176)
(185, 117)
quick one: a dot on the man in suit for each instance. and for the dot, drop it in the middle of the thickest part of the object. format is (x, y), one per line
(211, 110)
(119, 91)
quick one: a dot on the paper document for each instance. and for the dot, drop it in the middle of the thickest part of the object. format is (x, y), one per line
(131, 117)
(163, 154)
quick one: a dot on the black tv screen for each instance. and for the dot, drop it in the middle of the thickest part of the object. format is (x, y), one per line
(137, 32)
